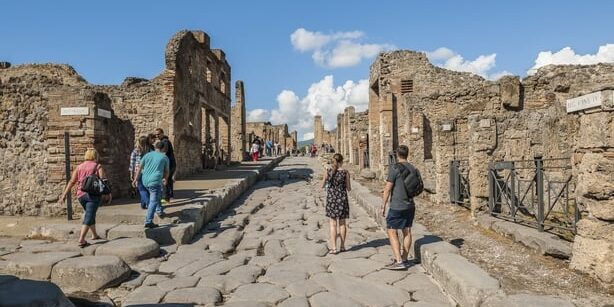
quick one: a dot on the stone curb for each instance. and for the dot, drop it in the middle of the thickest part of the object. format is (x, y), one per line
(545, 243)
(466, 283)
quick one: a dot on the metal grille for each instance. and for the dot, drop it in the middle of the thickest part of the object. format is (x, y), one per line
(538, 192)
(407, 86)
(459, 183)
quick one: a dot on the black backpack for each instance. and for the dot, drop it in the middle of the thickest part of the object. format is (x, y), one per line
(412, 180)
(93, 185)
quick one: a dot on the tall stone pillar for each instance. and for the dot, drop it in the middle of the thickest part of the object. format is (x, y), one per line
(225, 146)
(374, 133)
(318, 130)
(593, 166)
(482, 142)
(386, 131)
(444, 142)
(339, 144)
(238, 125)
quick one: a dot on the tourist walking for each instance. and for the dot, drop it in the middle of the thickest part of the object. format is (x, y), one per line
(169, 192)
(255, 150)
(154, 172)
(337, 184)
(142, 147)
(89, 201)
(403, 183)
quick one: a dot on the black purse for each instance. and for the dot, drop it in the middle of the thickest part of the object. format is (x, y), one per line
(94, 185)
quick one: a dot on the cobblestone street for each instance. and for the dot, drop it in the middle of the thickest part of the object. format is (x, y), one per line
(270, 248)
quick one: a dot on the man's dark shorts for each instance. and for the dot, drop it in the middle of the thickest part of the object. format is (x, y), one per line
(400, 219)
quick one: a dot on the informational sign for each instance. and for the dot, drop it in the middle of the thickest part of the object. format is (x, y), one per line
(484, 123)
(584, 102)
(415, 130)
(446, 127)
(104, 113)
(74, 111)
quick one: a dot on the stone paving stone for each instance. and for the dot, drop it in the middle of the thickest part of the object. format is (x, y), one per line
(200, 296)
(178, 283)
(327, 299)
(221, 267)
(304, 288)
(101, 272)
(363, 291)
(357, 252)
(273, 248)
(206, 259)
(415, 282)
(249, 243)
(307, 248)
(264, 261)
(152, 280)
(148, 265)
(282, 278)
(130, 250)
(265, 293)
(308, 264)
(35, 266)
(180, 259)
(52, 247)
(143, 296)
(245, 304)
(295, 302)
(355, 267)
(523, 300)
(386, 276)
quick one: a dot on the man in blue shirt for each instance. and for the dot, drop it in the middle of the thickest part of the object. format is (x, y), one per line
(154, 171)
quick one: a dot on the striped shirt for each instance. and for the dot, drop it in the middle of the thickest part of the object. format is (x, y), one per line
(135, 160)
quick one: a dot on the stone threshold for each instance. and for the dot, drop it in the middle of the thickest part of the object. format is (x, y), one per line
(465, 282)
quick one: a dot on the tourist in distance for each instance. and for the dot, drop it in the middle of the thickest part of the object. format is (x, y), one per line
(154, 172)
(142, 147)
(89, 202)
(255, 150)
(402, 208)
(337, 182)
(169, 191)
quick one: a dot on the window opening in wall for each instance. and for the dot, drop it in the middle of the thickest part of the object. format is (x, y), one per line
(223, 83)
(407, 86)
(209, 71)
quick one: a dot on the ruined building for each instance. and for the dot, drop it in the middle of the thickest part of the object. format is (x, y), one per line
(322, 136)
(547, 139)
(40, 104)
(275, 133)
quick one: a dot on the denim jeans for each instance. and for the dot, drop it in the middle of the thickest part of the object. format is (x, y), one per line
(143, 193)
(90, 206)
(169, 191)
(154, 206)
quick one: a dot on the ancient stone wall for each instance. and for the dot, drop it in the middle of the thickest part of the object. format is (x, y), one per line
(266, 131)
(110, 118)
(446, 116)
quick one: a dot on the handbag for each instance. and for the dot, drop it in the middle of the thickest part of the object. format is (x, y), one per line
(94, 185)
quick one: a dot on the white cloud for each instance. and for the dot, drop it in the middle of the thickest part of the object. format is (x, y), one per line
(322, 98)
(481, 66)
(258, 115)
(605, 54)
(338, 49)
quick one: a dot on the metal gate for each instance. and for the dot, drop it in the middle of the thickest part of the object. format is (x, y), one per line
(459, 183)
(538, 193)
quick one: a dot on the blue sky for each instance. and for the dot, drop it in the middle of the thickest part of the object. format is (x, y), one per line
(109, 40)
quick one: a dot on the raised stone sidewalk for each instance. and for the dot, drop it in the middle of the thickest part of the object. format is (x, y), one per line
(126, 246)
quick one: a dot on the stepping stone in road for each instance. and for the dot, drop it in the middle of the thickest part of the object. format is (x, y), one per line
(144, 296)
(35, 266)
(130, 250)
(22, 292)
(89, 273)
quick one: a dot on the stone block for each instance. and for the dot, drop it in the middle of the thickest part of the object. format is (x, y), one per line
(22, 292)
(430, 251)
(130, 250)
(595, 258)
(464, 281)
(163, 235)
(543, 242)
(523, 300)
(35, 266)
(66, 231)
(594, 132)
(199, 296)
(90, 273)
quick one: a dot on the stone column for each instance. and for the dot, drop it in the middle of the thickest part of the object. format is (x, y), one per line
(225, 145)
(318, 130)
(482, 142)
(374, 133)
(444, 142)
(386, 133)
(593, 164)
(237, 124)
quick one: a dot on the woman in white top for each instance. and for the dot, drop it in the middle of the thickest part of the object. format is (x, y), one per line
(255, 150)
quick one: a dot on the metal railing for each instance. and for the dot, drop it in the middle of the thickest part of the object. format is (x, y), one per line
(535, 192)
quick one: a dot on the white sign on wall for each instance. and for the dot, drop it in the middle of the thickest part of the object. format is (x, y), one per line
(104, 113)
(74, 111)
(415, 130)
(584, 102)
(446, 127)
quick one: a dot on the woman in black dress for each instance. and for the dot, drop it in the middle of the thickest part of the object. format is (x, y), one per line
(337, 184)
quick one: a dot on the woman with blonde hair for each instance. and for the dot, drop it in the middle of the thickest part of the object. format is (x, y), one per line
(337, 183)
(89, 202)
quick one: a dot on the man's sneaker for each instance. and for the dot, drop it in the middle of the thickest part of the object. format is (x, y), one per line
(395, 266)
(407, 263)
(151, 225)
(161, 215)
